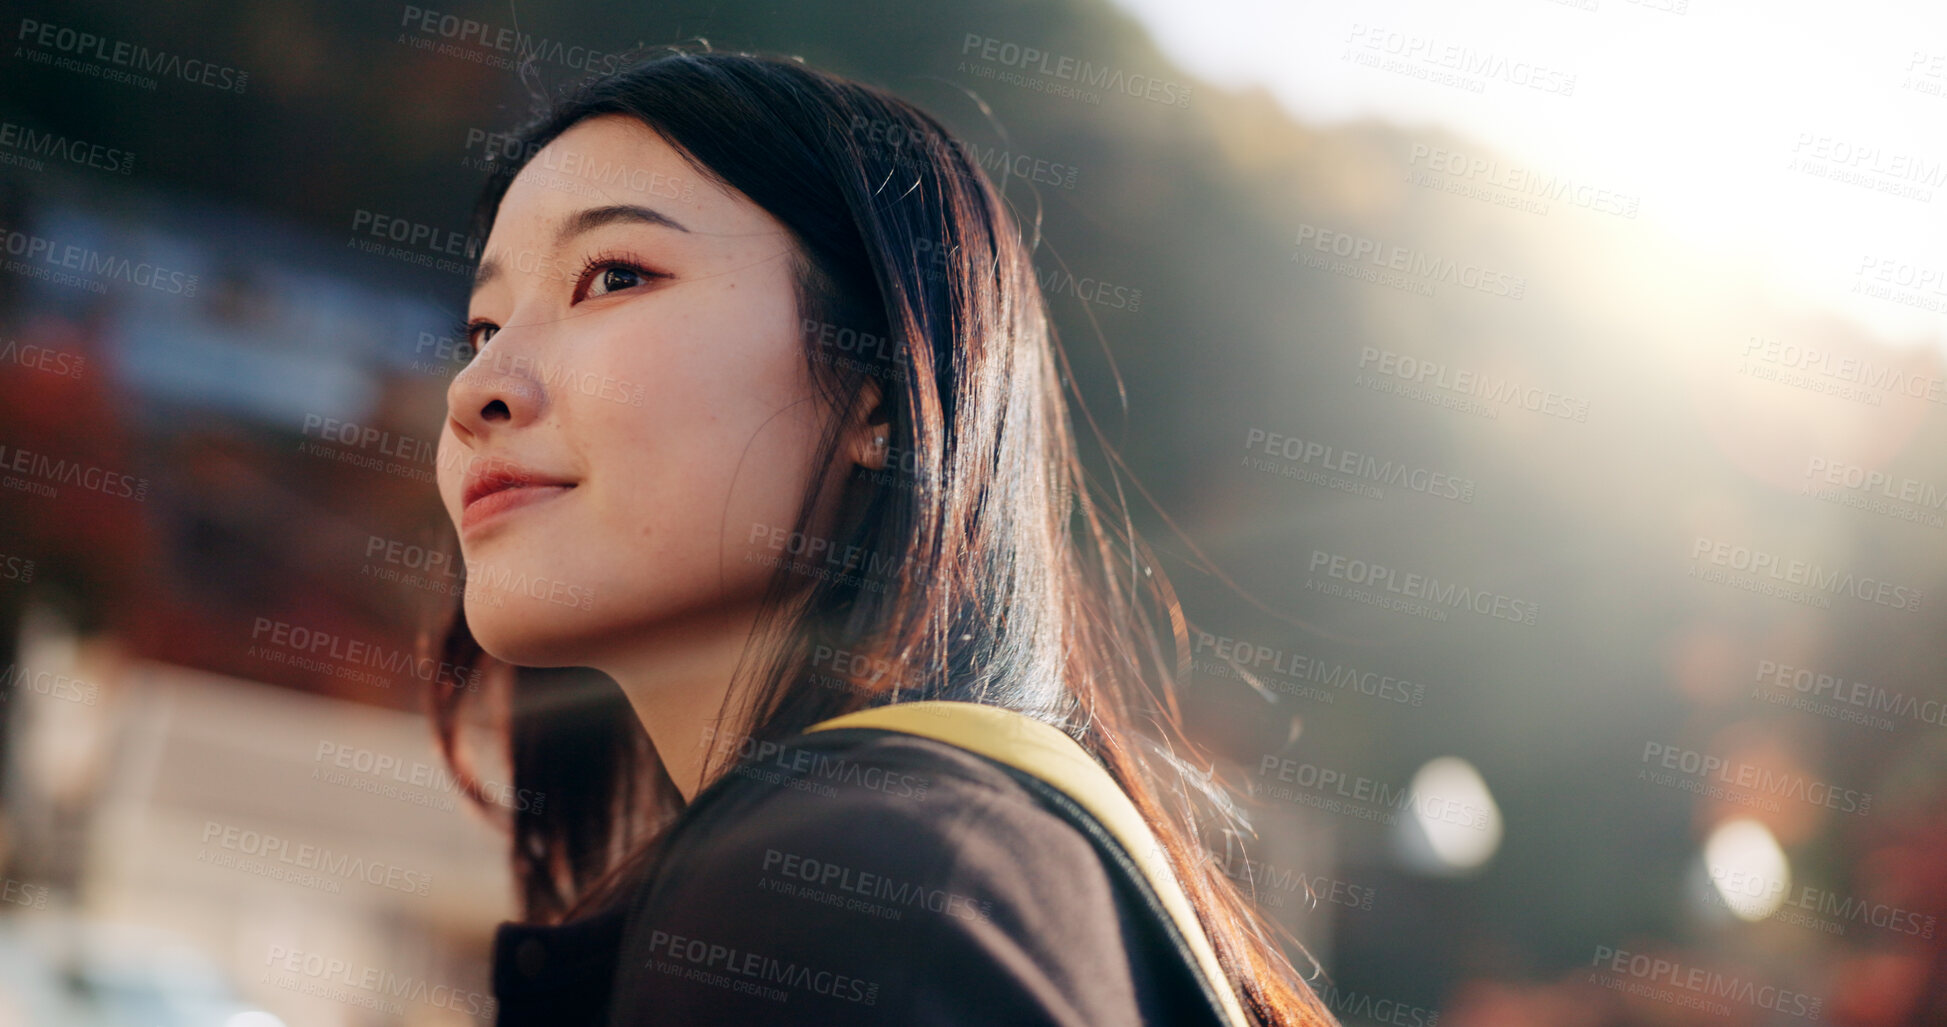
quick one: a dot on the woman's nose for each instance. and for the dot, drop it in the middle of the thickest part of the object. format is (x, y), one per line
(495, 392)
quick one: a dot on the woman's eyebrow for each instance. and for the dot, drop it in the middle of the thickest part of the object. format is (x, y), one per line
(595, 217)
(582, 222)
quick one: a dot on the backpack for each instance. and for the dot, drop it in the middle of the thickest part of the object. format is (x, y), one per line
(1086, 794)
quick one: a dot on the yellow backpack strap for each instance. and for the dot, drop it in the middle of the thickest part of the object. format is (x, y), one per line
(1046, 752)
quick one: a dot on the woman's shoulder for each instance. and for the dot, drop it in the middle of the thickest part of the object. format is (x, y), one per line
(870, 876)
(923, 788)
(893, 824)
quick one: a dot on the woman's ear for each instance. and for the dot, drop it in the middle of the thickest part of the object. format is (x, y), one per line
(868, 428)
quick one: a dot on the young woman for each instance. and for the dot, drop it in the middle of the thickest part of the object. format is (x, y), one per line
(765, 425)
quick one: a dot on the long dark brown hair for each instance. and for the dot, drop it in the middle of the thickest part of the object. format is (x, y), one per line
(988, 571)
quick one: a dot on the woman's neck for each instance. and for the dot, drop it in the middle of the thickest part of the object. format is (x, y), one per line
(676, 676)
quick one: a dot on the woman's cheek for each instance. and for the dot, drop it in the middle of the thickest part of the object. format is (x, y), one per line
(448, 471)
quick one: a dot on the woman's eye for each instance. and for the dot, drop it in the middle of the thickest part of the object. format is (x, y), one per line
(613, 278)
(473, 337)
(607, 273)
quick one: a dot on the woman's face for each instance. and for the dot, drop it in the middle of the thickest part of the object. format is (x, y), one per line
(633, 438)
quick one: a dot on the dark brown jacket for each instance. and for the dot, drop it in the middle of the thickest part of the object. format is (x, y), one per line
(860, 876)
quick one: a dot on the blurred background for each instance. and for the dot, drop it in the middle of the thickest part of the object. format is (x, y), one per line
(1557, 385)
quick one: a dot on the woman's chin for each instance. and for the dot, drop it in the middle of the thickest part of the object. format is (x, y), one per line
(521, 642)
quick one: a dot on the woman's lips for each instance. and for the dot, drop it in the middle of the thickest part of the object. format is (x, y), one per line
(498, 502)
